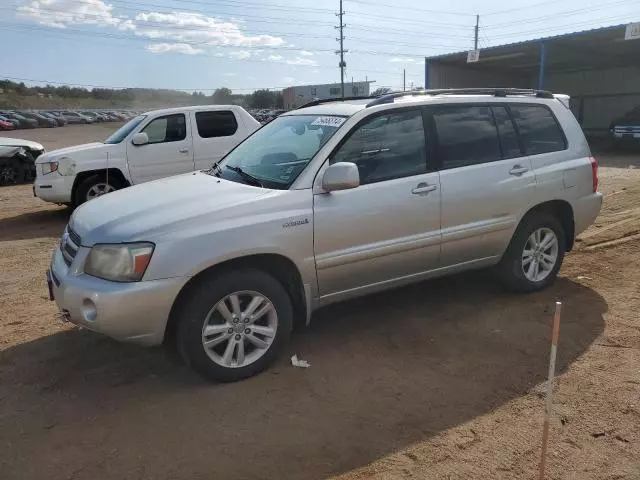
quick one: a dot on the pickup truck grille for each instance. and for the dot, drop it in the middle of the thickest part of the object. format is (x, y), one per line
(69, 245)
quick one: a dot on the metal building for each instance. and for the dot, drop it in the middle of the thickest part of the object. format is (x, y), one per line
(294, 97)
(599, 69)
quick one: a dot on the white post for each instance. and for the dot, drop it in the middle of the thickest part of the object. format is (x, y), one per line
(549, 403)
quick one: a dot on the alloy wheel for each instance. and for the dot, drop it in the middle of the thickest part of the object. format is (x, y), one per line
(540, 254)
(239, 329)
(99, 189)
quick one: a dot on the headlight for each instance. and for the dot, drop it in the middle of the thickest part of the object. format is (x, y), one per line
(119, 263)
(49, 167)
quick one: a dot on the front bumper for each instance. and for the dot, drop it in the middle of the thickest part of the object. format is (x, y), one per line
(54, 188)
(133, 312)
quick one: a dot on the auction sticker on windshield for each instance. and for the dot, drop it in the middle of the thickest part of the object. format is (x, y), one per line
(328, 121)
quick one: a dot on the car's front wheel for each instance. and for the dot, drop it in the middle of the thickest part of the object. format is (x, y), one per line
(94, 187)
(234, 325)
(535, 254)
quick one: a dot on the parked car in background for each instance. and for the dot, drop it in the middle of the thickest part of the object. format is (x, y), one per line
(6, 124)
(42, 120)
(154, 145)
(93, 116)
(23, 122)
(625, 131)
(61, 122)
(75, 117)
(16, 123)
(333, 201)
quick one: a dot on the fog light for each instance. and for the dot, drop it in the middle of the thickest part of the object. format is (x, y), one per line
(89, 312)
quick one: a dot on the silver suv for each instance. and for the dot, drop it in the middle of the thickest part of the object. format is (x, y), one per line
(329, 202)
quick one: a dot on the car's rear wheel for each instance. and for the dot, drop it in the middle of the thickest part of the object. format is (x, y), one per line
(535, 254)
(234, 325)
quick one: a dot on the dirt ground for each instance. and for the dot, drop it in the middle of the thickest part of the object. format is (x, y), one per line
(440, 380)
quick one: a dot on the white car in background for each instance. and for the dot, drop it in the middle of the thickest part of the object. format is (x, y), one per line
(157, 144)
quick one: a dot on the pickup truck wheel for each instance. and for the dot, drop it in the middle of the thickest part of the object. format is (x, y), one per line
(535, 254)
(93, 187)
(233, 326)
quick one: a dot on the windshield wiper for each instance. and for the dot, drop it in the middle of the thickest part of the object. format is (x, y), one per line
(250, 179)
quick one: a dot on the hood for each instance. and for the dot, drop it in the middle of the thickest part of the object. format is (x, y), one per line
(88, 150)
(17, 142)
(169, 206)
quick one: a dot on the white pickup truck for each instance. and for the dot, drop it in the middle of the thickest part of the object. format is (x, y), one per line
(154, 145)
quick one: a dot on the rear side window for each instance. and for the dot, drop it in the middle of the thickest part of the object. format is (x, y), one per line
(220, 123)
(508, 137)
(538, 128)
(467, 135)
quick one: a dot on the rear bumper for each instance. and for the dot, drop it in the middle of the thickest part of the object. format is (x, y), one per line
(132, 312)
(585, 211)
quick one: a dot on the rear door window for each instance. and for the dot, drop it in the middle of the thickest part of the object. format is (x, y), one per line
(467, 135)
(538, 129)
(507, 132)
(218, 123)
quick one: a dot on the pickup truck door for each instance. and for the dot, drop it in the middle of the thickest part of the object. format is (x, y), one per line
(215, 133)
(169, 151)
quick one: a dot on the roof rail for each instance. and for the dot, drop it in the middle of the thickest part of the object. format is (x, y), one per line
(313, 103)
(496, 92)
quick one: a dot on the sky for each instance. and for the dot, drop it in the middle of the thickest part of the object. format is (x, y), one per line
(200, 45)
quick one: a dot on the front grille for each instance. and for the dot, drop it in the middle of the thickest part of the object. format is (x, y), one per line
(69, 245)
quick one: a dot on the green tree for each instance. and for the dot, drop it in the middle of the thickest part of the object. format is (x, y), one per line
(222, 96)
(263, 99)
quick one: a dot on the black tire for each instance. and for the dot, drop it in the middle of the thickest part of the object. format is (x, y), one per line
(82, 189)
(510, 269)
(204, 296)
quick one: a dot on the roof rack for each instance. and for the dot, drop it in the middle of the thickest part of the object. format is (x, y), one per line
(313, 103)
(496, 92)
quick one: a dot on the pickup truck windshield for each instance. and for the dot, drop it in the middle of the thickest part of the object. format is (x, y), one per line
(275, 155)
(125, 130)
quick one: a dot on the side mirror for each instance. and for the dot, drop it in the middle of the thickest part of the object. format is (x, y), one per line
(341, 176)
(140, 139)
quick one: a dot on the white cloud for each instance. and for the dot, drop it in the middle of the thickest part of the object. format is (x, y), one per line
(306, 53)
(302, 61)
(195, 27)
(275, 58)
(184, 48)
(230, 74)
(240, 55)
(60, 13)
(402, 60)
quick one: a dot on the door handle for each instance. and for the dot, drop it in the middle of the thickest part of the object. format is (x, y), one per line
(184, 150)
(518, 170)
(423, 188)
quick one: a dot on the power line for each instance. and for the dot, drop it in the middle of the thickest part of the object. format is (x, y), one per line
(557, 15)
(441, 12)
(68, 31)
(264, 19)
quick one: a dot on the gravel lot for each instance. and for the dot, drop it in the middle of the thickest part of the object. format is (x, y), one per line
(443, 379)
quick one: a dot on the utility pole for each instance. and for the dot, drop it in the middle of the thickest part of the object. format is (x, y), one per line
(477, 29)
(342, 51)
(404, 79)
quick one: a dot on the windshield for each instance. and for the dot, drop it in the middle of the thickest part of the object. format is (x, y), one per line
(275, 155)
(125, 130)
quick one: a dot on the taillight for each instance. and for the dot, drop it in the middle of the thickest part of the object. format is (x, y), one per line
(594, 173)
